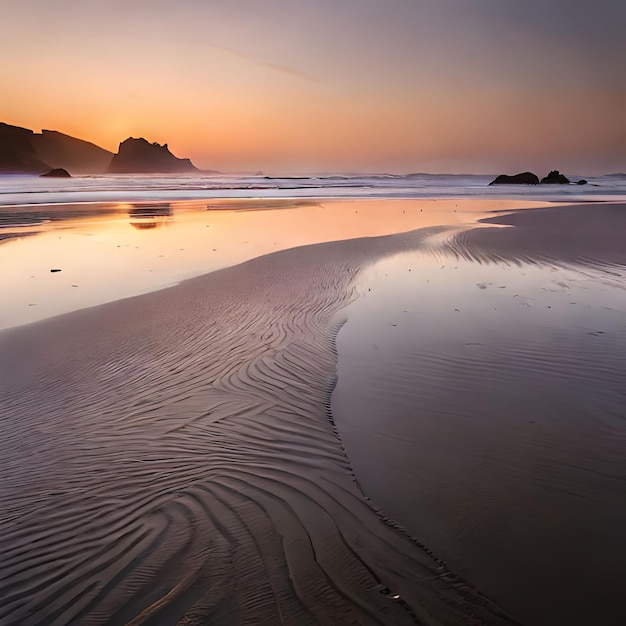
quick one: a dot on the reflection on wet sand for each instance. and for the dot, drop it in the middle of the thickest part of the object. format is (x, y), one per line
(261, 204)
(147, 216)
(31, 219)
(480, 400)
(97, 250)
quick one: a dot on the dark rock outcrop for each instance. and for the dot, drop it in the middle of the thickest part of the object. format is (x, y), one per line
(57, 172)
(140, 156)
(555, 178)
(525, 178)
(528, 178)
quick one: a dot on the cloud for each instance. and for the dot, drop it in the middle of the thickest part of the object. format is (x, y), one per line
(278, 67)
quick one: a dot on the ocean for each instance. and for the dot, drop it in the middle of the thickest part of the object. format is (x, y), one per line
(21, 189)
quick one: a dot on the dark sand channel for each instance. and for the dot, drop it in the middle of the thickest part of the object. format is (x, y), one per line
(481, 399)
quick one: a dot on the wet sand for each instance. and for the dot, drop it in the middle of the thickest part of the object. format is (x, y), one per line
(586, 234)
(480, 400)
(173, 456)
(109, 251)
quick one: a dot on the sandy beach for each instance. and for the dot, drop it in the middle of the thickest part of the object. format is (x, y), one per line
(219, 451)
(313, 313)
(184, 463)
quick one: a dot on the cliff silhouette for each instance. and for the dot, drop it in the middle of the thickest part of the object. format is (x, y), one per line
(140, 156)
(22, 151)
(18, 153)
(75, 155)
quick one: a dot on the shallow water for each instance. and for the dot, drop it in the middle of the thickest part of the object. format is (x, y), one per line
(482, 407)
(116, 250)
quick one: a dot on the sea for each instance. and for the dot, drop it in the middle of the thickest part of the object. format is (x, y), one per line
(28, 190)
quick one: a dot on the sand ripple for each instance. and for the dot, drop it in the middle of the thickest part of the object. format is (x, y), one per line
(172, 458)
(585, 235)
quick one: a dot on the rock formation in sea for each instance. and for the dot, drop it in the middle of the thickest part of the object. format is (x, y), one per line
(141, 156)
(57, 172)
(525, 178)
(528, 178)
(555, 178)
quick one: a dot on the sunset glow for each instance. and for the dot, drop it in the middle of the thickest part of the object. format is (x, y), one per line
(400, 86)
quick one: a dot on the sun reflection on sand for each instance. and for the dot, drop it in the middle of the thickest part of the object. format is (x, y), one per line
(102, 259)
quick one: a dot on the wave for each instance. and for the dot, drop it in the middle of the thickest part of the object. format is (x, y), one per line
(25, 190)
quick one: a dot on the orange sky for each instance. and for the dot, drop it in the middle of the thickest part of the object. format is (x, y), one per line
(401, 85)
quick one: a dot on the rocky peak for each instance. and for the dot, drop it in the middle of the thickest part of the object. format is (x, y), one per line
(141, 156)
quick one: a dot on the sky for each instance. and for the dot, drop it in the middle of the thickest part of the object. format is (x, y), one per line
(459, 86)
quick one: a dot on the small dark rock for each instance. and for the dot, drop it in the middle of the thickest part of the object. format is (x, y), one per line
(55, 270)
(57, 172)
(555, 178)
(525, 178)
(582, 181)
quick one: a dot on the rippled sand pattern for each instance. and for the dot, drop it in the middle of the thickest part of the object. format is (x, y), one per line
(171, 459)
(590, 235)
